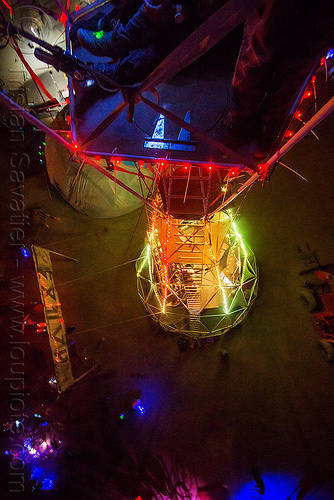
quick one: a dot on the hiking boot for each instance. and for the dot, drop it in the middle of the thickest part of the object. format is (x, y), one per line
(106, 22)
(87, 24)
(113, 44)
(108, 70)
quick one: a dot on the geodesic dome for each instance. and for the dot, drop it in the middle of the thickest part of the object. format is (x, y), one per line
(197, 278)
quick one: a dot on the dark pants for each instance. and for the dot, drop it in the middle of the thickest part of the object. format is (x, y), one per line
(281, 45)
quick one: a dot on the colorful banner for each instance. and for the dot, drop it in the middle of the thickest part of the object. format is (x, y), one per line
(53, 318)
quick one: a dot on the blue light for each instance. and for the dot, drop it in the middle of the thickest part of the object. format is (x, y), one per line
(25, 251)
(37, 474)
(277, 487)
(43, 424)
(330, 54)
(47, 484)
(138, 407)
(89, 82)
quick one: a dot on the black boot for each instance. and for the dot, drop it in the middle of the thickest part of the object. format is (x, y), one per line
(113, 43)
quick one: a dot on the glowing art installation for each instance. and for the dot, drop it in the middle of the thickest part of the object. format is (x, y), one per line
(196, 277)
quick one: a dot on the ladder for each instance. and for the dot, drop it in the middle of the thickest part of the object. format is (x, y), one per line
(193, 298)
(187, 194)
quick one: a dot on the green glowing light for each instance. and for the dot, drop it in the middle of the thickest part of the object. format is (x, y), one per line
(225, 301)
(145, 258)
(238, 235)
(99, 34)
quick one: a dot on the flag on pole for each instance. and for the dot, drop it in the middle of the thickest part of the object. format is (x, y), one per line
(53, 318)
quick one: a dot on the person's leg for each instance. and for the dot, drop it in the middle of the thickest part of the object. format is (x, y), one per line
(309, 38)
(262, 40)
(139, 63)
(138, 32)
(122, 10)
(249, 83)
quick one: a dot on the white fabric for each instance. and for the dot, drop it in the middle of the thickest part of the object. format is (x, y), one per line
(89, 191)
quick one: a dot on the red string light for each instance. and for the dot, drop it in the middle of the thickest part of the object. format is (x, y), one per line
(63, 18)
(307, 94)
(8, 7)
(234, 172)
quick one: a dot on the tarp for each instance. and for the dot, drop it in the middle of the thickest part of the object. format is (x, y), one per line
(90, 191)
(53, 318)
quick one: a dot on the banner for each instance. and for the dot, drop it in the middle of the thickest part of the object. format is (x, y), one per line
(53, 318)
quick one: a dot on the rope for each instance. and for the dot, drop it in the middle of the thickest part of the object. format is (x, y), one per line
(33, 75)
